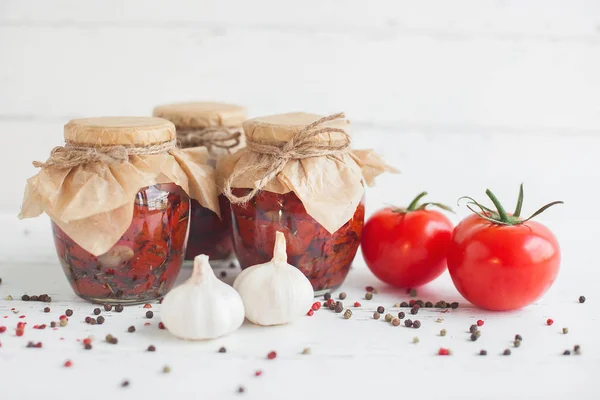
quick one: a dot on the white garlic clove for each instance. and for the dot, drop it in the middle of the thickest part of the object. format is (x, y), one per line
(276, 292)
(202, 307)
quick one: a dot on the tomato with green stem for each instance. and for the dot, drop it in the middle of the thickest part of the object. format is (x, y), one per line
(406, 247)
(500, 261)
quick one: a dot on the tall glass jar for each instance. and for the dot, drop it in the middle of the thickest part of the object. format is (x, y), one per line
(218, 127)
(118, 194)
(145, 261)
(325, 258)
(299, 175)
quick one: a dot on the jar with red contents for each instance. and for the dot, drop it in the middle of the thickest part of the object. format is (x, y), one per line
(118, 194)
(298, 175)
(218, 127)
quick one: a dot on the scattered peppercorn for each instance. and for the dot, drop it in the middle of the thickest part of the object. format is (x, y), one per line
(107, 307)
(357, 304)
(454, 305)
(342, 295)
(166, 369)
(316, 305)
(506, 352)
(576, 348)
(271, 355)
(376, 315)
(19, 331)
(443, 352)
(68, 363)
(108, 337)
(131, 329)
(380, 309)
(100, 320)
(33, 345)
(124, 383)
(388, 317)
(582, 299)
(222, 350)
(69, 312)
(34, 298)
(395, 321)
(479, 322)
(408, 323)
(401, 315)
(473, 329)
(420, 303)
(474, 337)
(347, 313)
(518, 337)
(327, 296)
(2, 329)
(119, 308)
(306, 351)
(63, 322)
(161, 325)
(415, 340)
(549, 321)
(417, 324)
(565, 330)
(412, 293)
(149, 314)
(412, 302)
(404, 304)
(338, 308)
(370, 289)
(368, 296)
(566, 353)
(151, 348)
(46, 309)
(414, 310)
(428, 304)
(477, 333)
(310, 312)
(517, 343)
(483, 353)
(241, 389)
(88, 319)
(53, 324)
(87, 346)
(93, 321)
(25, 297)
(97, 311)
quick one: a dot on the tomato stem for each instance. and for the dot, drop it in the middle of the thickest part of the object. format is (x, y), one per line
(517, 212)
(501, 211)
(413, 205)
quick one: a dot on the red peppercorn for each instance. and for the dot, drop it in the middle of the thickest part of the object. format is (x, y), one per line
(22, 316)
(412, 303)
(2, 329)
(87, 341)
(316, 305)
(271, 355)
(369, 288)
(310, 313)
(258, 373)
(161, 325)
(443, 352)
(20, 331)
(21, 325)
(68, 363)
(479, 322)
(329, 302)
(356, 304)
(65, 317)
(147, 324)
(549, 321)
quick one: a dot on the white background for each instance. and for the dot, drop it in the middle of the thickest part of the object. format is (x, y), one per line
(459, 95)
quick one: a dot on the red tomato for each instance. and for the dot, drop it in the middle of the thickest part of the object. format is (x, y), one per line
(502, 266)
(406, 248)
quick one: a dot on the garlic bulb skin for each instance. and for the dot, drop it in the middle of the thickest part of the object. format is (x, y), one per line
(276, 292)
(202, 307)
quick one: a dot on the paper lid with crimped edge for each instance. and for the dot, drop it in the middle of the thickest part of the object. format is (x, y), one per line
(198, 115)
(125, 131)
(282, 127)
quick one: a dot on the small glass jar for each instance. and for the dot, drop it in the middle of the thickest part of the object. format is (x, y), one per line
(218, 127)
(325, 258)
(144, 263)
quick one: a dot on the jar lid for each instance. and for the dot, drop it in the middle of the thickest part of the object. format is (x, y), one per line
(202, 114)
(110, 131)
(282, 127)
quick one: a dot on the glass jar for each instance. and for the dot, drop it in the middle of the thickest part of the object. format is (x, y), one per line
(210, 234)
(324, 258)
(218, 128)
(144, 263)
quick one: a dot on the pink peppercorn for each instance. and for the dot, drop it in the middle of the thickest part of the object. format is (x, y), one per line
(68, 363)
(443, 352)
(479, 322)
(310, 313)
(22, 316)
(316, 305)
(258, 373)
(2, 329)
(549, 321)
(161, 325)
(271, 355)
(20, 331)
(356, 304)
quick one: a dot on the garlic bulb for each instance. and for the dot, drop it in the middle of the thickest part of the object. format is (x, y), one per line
(276, 292)
(202, 307)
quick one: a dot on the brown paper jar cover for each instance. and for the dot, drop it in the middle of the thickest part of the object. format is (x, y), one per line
(93, 202)
(330, 187)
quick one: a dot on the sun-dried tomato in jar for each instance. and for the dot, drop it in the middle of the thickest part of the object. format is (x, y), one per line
(218, 127)
(298, 175)
(118, 194)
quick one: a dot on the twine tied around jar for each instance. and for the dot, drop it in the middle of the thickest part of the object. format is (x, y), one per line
(75, 154)
(273, 157)
(208, 137)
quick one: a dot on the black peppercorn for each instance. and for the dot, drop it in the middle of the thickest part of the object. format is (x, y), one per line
(119, 308)
(88, 319)
(97, 311)
(149, 314)
(401, 315)
(566, 353)
(483, 353)
(420, 303)
(107, 307)
(25, 297)
(222, 350)
(338, 307)
(408, 323)
(87, 346)
(53, 324)
(428, 304)
(506, 352)
(342, 296)
(241, 389)
(327, 296)
(69, 312)
(404, 304)
(582, 299)
(576, 348)
(151, 348)
(518, 337)
(417, 324)
(131, 329)
(414, 310)
(46, 309)
(100, 320)
(441, 304)
(376, 315)
(454, 305)
(125, 383)
(474, 337)
(380, 309)
(34, 298)
(473, 328)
